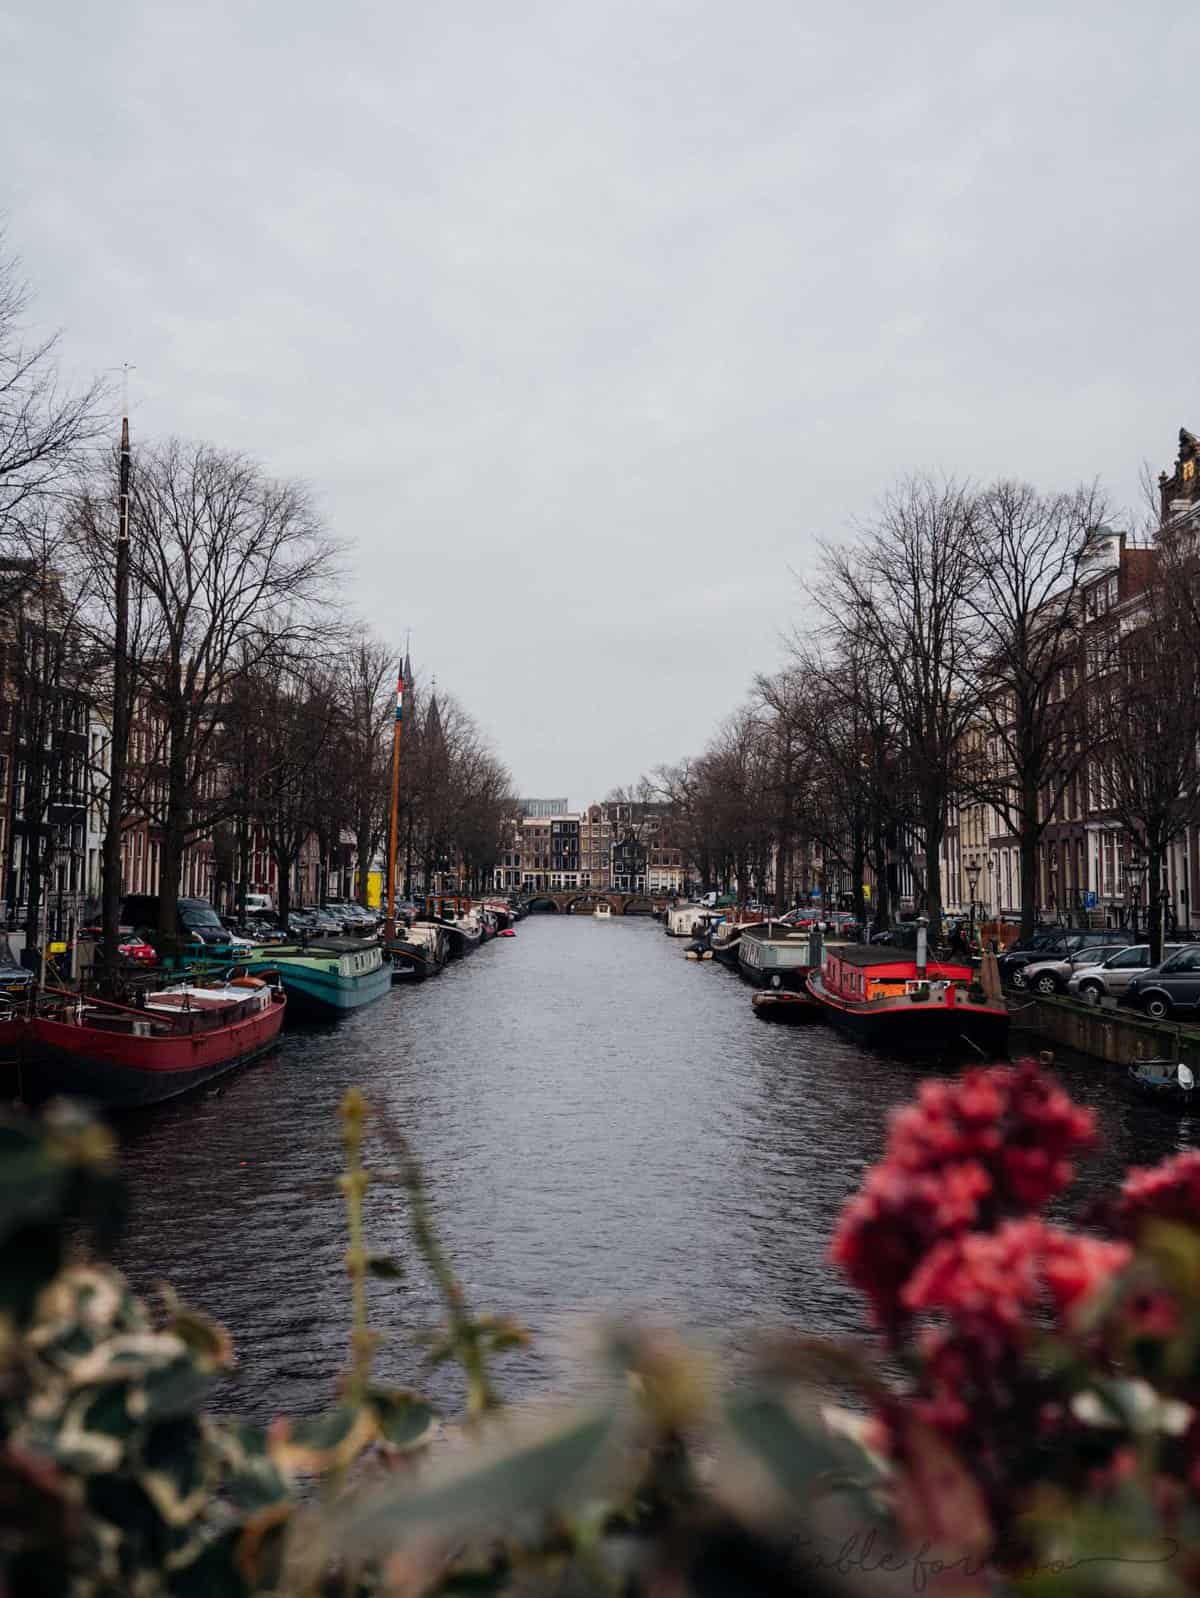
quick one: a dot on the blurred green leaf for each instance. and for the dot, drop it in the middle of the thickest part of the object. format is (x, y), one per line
(309, 1447)
(796, 1456)
(405, 1421)
(32, 1185)
(513, 1481)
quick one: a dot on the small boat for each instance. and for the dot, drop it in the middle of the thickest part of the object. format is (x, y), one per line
(506, 932)
(881, 996)
(603, 911)
(184, 1036)
(1165, 1081)
(418, 951)
(778, 1004)
(328, 977)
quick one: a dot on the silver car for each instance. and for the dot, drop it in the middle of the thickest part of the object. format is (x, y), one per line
(1109, 980)
(1054, 976)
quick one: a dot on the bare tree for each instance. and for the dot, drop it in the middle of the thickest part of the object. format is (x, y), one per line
(229, 569)
(1032, 555)
(367, 674)
(43, 426)
(905, 588)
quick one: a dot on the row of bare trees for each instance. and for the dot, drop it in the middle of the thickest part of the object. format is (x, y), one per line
(248, 713)
(953, 655)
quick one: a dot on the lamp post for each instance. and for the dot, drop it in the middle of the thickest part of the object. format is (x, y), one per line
(1054, 880)
(1135, 876)
(973, 884)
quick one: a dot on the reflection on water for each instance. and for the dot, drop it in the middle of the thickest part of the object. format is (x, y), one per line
(603, 1124)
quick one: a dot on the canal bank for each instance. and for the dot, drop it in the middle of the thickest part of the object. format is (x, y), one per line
(604, 1127)
(1115, 1036)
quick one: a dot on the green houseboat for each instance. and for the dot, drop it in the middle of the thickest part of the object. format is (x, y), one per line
(326, 978)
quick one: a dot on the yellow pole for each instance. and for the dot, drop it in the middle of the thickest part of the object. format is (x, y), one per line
(389, 926)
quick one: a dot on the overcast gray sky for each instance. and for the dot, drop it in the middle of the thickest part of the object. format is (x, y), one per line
(586, 321)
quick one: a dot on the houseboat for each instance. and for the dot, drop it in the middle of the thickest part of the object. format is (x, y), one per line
(690, 920)
(897, 1000)
(327, 978)
(774, 955)
(725, 937)
(178, 1039)
(418, 951)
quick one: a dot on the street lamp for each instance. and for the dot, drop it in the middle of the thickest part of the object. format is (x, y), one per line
(1054, 880)
(1135, 876)
(973, 884)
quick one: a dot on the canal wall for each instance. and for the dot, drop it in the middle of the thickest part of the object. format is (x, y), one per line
(1115, 1036)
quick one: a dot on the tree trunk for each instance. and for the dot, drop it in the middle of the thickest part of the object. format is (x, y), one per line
(883, 887)
(934, 830)
(1154, 900)
(33, 902)
(283, 870)
(173, 844)
(243, 868)
(1030, 831)
(859, 867)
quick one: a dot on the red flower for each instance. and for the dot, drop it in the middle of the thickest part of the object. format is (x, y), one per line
(1073, 1266)
(969, 1153)
(1170, 1191)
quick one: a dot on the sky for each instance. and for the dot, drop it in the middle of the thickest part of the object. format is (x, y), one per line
(587, 322)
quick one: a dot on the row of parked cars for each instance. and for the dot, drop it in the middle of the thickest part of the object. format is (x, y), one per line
(332, 919)
(1093, 965)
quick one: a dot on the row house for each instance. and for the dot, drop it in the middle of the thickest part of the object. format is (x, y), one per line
(1087, 871)
(609, 845)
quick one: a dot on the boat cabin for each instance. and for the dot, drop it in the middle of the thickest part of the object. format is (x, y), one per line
(858, 973)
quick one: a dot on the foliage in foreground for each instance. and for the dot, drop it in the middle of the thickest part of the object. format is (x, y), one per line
(1030, 1421)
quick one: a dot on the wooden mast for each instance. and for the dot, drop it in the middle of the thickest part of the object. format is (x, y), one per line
(389, 930)
(111, 896)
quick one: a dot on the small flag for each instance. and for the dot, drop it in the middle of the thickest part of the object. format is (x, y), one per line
(400, 698)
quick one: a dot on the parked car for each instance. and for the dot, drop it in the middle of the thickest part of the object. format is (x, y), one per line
(15, 979)
(1056, 943)
(1111, 980)
(1168, 989)
(1053, 975)
(133, 946)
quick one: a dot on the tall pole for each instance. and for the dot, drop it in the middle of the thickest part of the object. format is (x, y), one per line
(111, 902)
(389, 930)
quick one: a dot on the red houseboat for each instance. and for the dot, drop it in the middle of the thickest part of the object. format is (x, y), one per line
(881, 996)
(123, 1057)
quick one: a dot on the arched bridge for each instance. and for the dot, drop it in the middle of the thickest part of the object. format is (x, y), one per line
(582, 901)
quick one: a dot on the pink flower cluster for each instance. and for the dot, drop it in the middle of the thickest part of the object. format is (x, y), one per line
(987, 1282)
(996, 1143)
(1169, 1192)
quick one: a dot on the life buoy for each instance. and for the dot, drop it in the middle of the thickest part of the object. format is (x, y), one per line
(247, 982)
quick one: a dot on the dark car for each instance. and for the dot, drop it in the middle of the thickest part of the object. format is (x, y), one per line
(1172, 988)
(15, 979)
(1055, 943)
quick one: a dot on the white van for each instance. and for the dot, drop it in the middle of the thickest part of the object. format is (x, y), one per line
(258, 904)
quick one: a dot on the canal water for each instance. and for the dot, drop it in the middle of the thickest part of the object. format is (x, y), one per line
(604, 1126)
